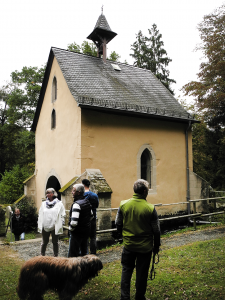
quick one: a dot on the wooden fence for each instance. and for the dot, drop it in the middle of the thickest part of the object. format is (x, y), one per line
(194, 215)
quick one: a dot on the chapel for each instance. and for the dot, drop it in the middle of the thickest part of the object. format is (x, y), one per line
(113, 123)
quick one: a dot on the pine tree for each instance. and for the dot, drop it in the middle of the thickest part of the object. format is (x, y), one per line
(209, 94)
(148, 53)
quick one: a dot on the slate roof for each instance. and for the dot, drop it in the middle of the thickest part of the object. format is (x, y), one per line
(102, 23)
(97, 85)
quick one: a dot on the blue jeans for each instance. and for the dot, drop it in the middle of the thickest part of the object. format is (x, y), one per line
(22, 236)
(128, 261)
(77, 245)
(19, 236)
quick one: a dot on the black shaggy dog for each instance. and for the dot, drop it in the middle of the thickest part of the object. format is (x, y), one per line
(66, 276)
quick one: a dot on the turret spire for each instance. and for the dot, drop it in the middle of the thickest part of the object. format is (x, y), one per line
(102, 35)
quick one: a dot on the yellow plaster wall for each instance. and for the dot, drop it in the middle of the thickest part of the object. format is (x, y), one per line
(58, 151)
(111, 143)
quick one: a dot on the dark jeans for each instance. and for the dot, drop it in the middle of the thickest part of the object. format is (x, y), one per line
(93, 244)
(17, 237)
(142, 267)
(45, 240)
(77, 245)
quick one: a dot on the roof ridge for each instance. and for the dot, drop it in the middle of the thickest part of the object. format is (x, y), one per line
(80, 53)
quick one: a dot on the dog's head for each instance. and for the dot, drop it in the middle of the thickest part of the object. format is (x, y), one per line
(93, 264)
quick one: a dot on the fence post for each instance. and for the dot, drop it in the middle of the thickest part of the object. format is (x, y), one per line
(194, 207)
(214, 204)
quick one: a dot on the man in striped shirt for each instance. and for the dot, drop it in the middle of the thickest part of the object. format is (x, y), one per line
(79, 222)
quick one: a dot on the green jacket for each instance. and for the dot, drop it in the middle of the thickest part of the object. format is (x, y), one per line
(139, 222)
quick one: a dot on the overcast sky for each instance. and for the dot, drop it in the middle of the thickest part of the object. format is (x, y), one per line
(30, 28)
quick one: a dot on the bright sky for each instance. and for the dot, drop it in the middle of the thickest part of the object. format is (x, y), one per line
(28, 30)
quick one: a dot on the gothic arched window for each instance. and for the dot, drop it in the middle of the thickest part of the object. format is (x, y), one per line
(146, 166)
(54, 89)
(53, 119)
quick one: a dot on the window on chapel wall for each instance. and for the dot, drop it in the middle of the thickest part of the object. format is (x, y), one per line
(53, 119)
(54, 89)
(146, 166)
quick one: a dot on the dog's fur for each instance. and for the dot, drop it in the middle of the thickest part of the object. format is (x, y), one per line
(66, 276)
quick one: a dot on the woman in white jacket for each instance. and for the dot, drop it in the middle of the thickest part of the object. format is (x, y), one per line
(51, 220)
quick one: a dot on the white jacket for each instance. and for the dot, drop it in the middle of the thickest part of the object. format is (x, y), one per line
(60, 217)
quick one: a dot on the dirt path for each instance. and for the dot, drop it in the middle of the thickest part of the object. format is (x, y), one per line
(31, 248)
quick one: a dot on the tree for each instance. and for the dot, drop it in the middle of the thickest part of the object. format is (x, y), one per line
(209, 92)
(148, 53)
(11, 185)
(90, 49)
(202, 158)
(74, 47)
(114, 56)
(18, 100)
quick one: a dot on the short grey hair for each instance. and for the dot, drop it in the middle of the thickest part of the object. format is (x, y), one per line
(79, 188)
(51, 190)
(140, 186)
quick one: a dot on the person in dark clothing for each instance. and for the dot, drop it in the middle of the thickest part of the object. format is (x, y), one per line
(18, 225)
(138, 221)
(93, 199)
(79, 222)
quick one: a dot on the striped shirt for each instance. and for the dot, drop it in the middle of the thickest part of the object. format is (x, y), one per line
(76, 210)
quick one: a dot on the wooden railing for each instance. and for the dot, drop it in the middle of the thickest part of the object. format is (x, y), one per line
(194, 215)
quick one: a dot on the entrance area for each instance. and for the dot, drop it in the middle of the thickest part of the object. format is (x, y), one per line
(54, 183)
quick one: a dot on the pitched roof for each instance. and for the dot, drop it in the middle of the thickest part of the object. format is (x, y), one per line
(102, 23)
(98, 85)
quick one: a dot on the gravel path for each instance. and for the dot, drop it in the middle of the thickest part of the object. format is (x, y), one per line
(31, 248)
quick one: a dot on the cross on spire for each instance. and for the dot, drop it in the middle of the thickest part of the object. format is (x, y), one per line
(102, 9)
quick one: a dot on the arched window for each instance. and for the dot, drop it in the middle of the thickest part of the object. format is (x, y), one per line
(53, 119)
(146, 166)
(54, 89)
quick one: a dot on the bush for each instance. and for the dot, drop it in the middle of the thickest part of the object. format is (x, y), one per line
(28, 209)
(11, 185)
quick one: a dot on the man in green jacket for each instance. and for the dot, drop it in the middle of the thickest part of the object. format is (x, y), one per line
(138, 222)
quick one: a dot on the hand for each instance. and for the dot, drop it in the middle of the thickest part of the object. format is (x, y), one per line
(155, 250)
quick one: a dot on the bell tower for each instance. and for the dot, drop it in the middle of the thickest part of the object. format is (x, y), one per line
(102, 35)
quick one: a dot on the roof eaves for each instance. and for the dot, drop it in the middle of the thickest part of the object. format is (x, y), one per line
(68, 184)
(126, 108)
(29, 178)
(43, 89)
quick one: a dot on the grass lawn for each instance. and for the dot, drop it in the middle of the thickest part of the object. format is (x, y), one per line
(196, 271)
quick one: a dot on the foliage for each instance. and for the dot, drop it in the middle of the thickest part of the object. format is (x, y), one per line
(20, 96)
(114, 56)
(209, 91)
(90, 49)
(194, 271)
(11, 185)
(74, 47)
(18, 100)
(29, 210)
(202, 157)
(10, 237)
(209, 95)
(148, 53)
